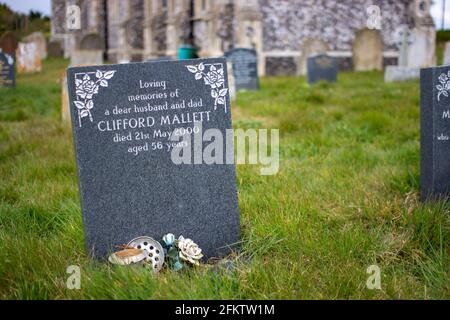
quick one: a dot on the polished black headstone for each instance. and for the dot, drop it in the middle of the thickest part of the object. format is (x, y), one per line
(122, 117)
(322, 68)
(7, 73)
(245, 68)
(435, 132)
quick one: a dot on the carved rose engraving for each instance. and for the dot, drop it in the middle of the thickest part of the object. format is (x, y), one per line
(86, 87)
(213, 76)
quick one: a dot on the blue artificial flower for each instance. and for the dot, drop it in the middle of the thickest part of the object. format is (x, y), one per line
(169, 239)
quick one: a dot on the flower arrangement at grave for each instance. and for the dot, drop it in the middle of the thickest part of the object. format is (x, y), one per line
(179, 253)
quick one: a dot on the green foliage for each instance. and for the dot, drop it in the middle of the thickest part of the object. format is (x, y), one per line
(346, 197)
(23, 24)
(443, 35)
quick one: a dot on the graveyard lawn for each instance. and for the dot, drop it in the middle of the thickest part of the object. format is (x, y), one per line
(345, 198)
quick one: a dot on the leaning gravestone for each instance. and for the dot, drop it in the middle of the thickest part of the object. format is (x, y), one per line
(322, 68)
(7, 75)
(28, 58)
(435, 132)
(41, 43)
(245, 68)
(127, 120)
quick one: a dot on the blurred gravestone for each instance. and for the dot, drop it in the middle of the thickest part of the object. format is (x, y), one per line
(40, 41)
(86, 57)
(368, 50)
(309, 48)
(245, 68)
(404, 71)
(65, 112)
(8, 43)
(90, 51)
(54, 49)
(28, 58)
(422, 50)
(435, 132)
(7, 75)
(231, 81)
(91, 41)
(322, 68)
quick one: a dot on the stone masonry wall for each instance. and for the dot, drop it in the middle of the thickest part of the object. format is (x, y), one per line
(288, 22)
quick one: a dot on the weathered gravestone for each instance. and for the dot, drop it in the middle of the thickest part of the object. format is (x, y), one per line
(127, 119)
(404, 71)
(28, 58)
(7, 75)
(435, 132)
(41, 43)
(245, 68)
(310, 47)
(322, 68)
(86, 57)
(91, 41)
(368, 50)
(90, 51)
(8, 43)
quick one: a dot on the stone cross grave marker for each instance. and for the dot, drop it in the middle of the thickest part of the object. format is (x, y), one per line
(127, 121)
(403, 42)
(403, 71)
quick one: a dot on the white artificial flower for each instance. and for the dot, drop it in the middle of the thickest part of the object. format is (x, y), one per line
(189, 250)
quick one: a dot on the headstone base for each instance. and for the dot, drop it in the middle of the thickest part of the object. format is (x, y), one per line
(86, 58)
(400, 74)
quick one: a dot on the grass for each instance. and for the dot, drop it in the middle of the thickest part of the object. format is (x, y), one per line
(346, 197)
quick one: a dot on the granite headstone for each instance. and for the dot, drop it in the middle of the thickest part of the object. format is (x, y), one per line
(245, 68)
(435, 132)
(124, 119)
(322, 67)
(7, 75)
